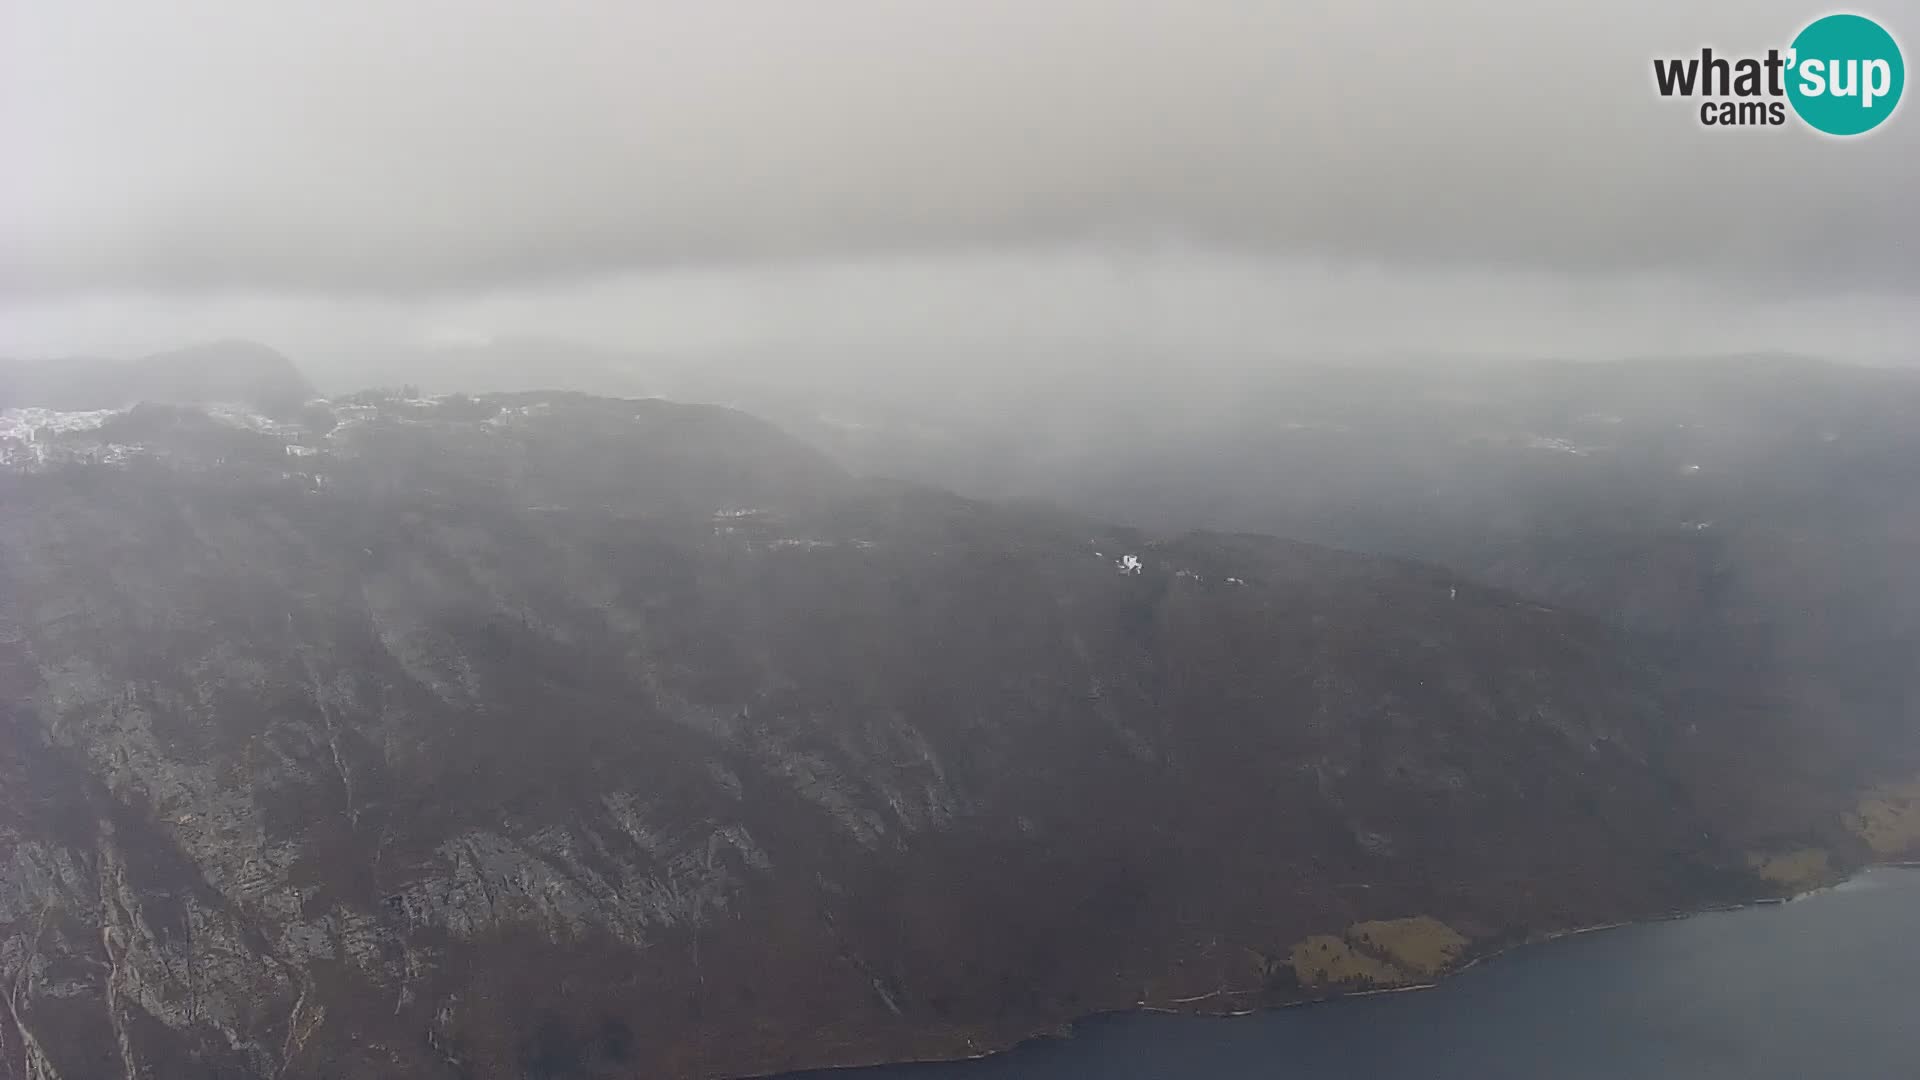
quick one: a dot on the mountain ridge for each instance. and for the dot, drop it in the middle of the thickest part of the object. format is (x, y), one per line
(230, 370)
(552, 735)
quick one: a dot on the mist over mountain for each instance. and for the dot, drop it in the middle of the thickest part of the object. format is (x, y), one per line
(696, 540)
(1763, 506)
(547, 734)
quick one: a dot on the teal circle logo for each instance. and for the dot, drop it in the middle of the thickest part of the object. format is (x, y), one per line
(1845, 74)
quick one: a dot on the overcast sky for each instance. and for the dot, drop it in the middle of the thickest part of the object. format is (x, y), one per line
(731, 173)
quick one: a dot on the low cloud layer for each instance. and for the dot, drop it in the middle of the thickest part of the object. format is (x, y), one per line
(432, 145)
(1005, 316)
(763, 175)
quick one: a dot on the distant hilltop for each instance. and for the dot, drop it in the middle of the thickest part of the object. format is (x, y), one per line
(223, 371)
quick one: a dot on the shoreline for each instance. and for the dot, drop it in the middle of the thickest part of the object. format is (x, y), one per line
(1065, 1030)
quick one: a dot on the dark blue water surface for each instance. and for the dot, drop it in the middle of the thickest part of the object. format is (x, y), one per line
(1822, 987)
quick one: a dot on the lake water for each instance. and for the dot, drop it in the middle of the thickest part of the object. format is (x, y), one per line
(1822, 987)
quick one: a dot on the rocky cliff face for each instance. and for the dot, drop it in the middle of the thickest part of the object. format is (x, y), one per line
(543, 735)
